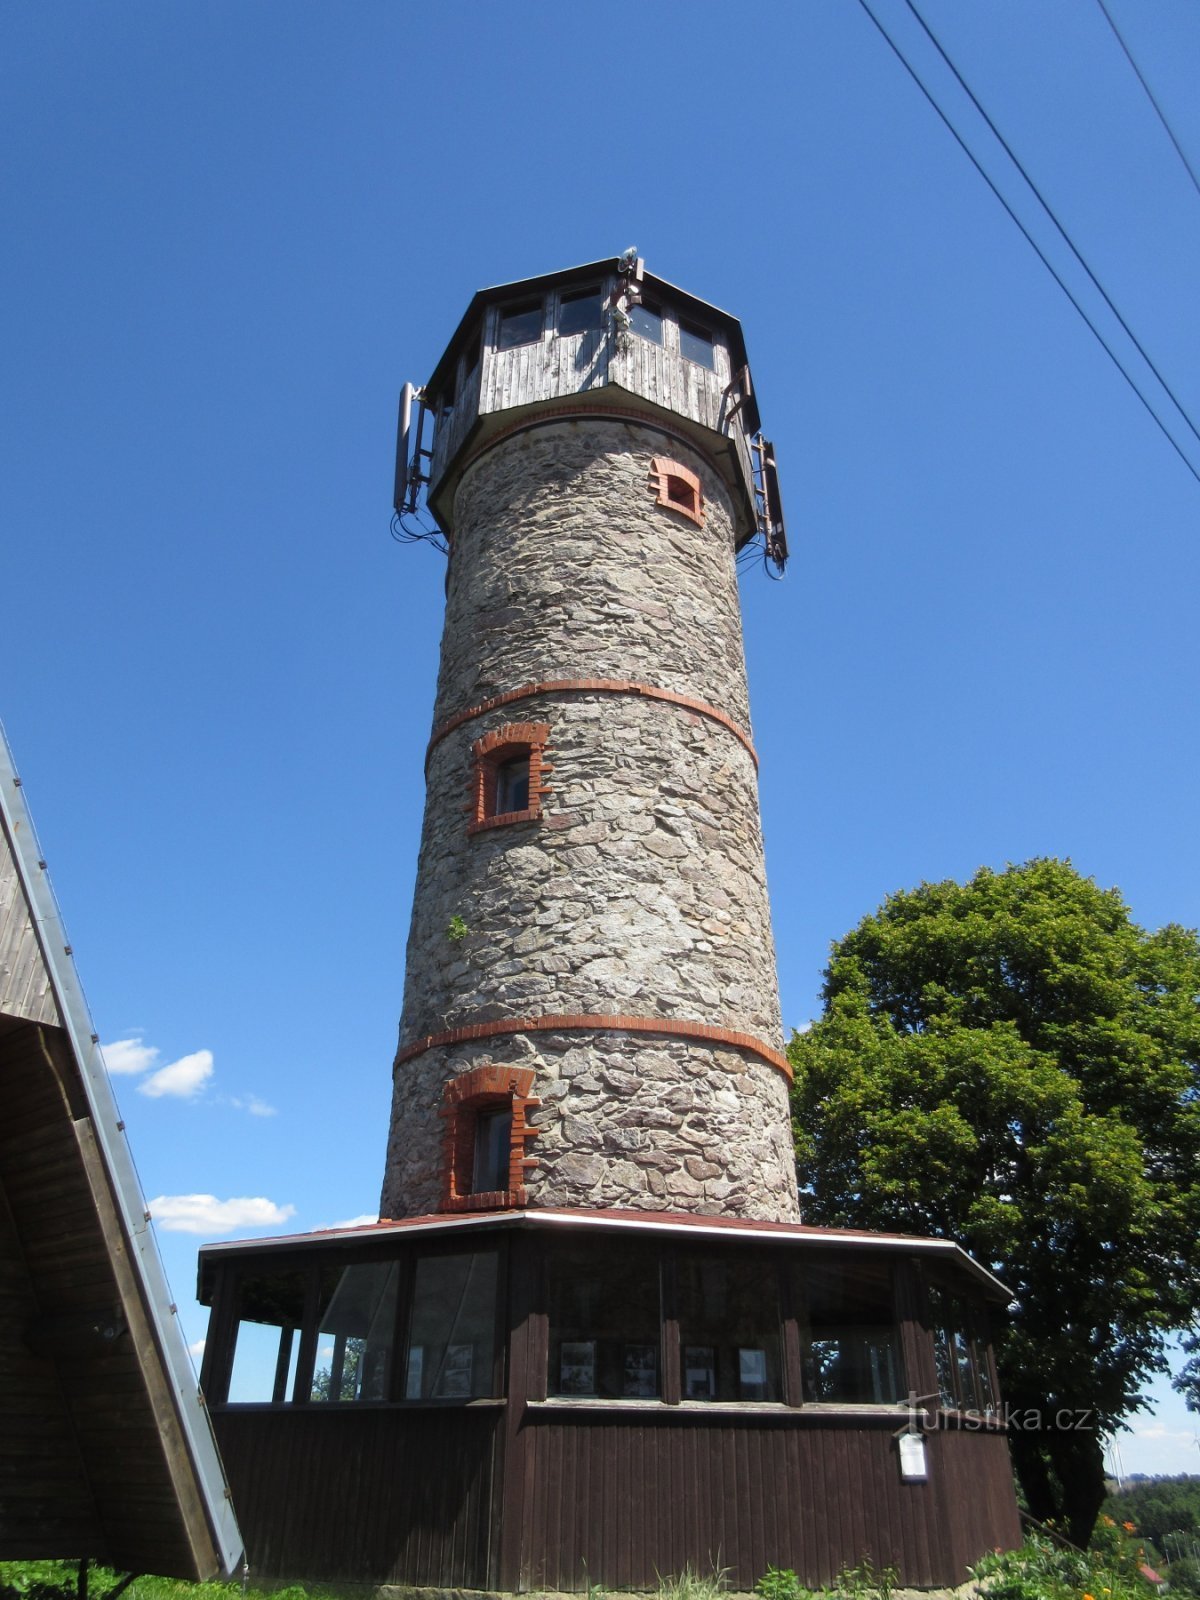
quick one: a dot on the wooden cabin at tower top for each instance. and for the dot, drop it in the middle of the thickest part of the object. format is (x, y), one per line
(605, 337)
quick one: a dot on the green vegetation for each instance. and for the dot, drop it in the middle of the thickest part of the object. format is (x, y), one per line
(1166, 1512)
(59, 1580)
(456, 929)
(1013, 1063)
(1045, 1569)
(863, 1582)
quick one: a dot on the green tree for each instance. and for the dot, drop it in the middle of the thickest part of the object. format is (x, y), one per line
(1013, 1063)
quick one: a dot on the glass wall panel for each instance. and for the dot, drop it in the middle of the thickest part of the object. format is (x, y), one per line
(961, 1354)
(604, 1323)
(728, 1329)
(452, 1330)
(354, 1342)
(270, 1310)
(849, 1343)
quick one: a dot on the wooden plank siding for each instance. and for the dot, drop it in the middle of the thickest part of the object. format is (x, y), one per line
(370, 1495)
(84, 1463)
(557, 366)
(619, 1498)
(609, 1496)
(25, 989)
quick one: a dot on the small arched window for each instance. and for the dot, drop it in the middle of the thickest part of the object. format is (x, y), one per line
(507, 776)
(486, 1134)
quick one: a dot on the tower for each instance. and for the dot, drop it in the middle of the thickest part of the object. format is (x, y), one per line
(591, 1015)
(589, 1340)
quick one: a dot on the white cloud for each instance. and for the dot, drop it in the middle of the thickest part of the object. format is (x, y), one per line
(183, 1079)
(205, 1214)
(127, 1056)
(354, 1222)
(197, 1349)
(252, 1103)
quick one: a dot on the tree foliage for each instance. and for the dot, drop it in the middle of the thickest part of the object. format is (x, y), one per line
(1166, 1511)
(1013, 1063)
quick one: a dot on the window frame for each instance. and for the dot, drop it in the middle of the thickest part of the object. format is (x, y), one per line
(677, 488)
(515, 741)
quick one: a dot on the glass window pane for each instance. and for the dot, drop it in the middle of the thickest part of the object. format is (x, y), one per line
(493, 1149)
(696, 344)
(580, 311)
(520, 324)
(451, 1343)
(848, 1338)
(604, 1323)
(729, 1329)
(646, 322)
(512, 786)
(267, 1340)
(354, 1343)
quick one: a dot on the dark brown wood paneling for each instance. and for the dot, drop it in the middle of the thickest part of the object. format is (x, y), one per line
(382, 1495)
(95, 1478)
(620, 1496)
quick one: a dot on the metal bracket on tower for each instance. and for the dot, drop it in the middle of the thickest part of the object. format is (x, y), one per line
(768, 505)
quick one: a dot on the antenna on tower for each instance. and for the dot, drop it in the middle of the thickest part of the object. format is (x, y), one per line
(768, 505)
(412, 471)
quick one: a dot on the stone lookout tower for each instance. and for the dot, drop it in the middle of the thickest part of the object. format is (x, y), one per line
(589, 1341)
(591, 1015)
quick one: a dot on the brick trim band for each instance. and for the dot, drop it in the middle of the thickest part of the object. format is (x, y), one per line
(573, 1020)
(591, 686)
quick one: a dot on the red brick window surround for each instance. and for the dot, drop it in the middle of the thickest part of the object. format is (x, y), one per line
(678, 488)
(469, 1104)
(507, 775)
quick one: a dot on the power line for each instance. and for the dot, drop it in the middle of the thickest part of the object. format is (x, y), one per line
(1150, 96)
(1048, 209)
(1032, 242)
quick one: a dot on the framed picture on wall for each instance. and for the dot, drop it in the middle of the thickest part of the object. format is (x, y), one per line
(699, 1372)
(641, 1371)
(577, 1367)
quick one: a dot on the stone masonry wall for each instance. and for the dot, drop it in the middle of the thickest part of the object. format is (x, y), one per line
(640, 891)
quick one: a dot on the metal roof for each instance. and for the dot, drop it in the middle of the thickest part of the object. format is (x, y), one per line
(652, 1222)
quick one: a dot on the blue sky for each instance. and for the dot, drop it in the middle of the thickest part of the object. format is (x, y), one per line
(233, 231)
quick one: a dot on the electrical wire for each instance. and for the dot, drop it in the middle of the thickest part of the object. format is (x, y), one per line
(405, 529)
(1032, 242)
(1049, 210)
(1150, 96)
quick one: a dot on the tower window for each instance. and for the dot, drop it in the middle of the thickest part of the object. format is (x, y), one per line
(512, 785)
(646, 321)
(678, 488)
(696, 344)
(487, 1132)
(493, 1148)
(520, 324)
(579, 312)
(506, 779)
